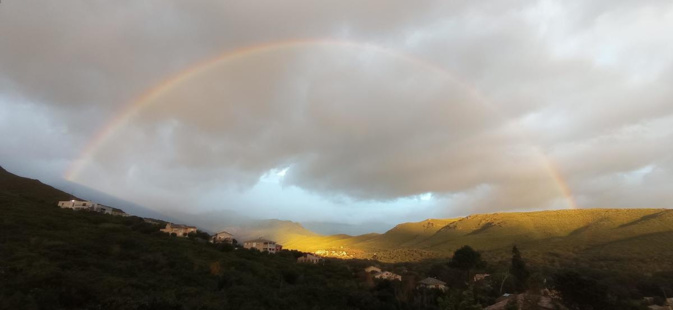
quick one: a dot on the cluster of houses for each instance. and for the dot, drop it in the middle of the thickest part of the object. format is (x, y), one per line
(184, 230)
(260, 244)
(179, 230)
(334, 253)
(90, 206)
(269, 246)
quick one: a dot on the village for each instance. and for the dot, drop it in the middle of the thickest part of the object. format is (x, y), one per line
(545, 298)
(372, 273)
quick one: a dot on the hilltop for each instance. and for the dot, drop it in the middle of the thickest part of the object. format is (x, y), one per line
(18, 187)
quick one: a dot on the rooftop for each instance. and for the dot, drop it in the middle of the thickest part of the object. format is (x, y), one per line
(181, 226)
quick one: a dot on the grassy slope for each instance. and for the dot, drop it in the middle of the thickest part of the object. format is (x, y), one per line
(639, 235)
(409, 234)
(491, 231)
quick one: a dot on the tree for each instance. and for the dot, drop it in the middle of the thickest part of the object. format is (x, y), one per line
(518, 270)
(579, 291)
(466, 259)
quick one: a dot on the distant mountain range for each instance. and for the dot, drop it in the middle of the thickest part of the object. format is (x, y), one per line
(607, 238)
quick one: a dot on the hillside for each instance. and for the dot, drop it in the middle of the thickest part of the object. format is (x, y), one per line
(283, 232)
(605, 237)
(15, 186)
(53, 258)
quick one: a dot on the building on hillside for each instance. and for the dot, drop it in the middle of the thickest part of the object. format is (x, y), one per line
(77, 204)
(263, 245)
(309, 259)
(222, 237)
(432, 283)
(102, 209)
(480, 276)
(91, 206)
(108, 210)
(387, 275)
(119, 212)
(179, 230)
(371, 269)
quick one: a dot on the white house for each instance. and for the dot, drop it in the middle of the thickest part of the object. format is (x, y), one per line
(310, 259)
(222, 237)
(387, 275)
(480, 276)
(432, 283)
(263, 245)
(90, 206)
(179, 230)
(77, 204)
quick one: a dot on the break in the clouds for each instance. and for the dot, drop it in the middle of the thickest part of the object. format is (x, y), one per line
(372, 111)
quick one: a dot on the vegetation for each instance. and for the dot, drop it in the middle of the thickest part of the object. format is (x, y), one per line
(606, 239)
(518, 270)
(466, 259)
(52, 258)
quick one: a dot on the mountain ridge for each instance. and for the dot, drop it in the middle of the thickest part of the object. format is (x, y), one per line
(603, 236)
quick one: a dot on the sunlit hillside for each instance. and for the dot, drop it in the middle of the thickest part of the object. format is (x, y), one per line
(280, 231)
(602, 236)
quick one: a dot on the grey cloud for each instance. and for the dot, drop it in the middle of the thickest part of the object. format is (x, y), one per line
(372, 130)
(524, 80)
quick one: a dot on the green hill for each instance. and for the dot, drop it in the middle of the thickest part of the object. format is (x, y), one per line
(641, 235)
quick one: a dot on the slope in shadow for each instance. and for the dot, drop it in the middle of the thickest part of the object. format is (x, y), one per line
(643, 219)
(482, 229)
(580, 230)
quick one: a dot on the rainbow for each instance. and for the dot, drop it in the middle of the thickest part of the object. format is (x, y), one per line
(562, 184)
(148, 97)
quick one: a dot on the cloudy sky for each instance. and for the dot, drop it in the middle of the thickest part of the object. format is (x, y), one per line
(343, 111)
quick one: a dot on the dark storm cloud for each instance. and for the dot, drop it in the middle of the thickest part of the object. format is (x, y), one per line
(477, 103)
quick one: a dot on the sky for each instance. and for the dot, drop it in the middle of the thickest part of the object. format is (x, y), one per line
(353, 112)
